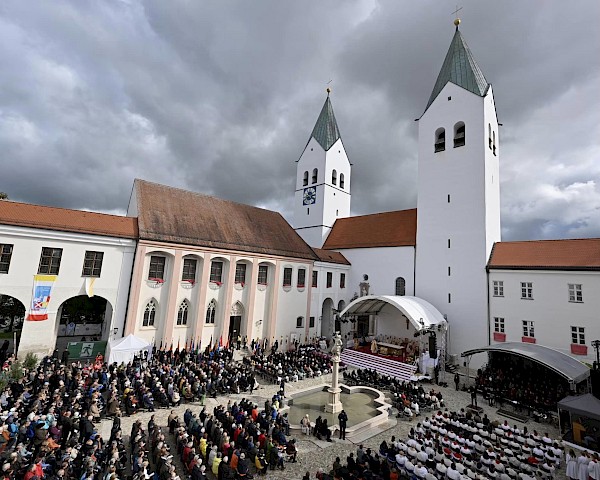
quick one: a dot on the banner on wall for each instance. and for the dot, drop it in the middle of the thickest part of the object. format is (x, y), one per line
(42, 288)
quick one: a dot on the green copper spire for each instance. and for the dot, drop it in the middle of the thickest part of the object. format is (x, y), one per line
(461, 69)
(326, 131)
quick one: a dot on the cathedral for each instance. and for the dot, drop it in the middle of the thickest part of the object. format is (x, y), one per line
(185, 269)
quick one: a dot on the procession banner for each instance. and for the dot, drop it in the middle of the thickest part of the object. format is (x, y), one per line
(42, 288)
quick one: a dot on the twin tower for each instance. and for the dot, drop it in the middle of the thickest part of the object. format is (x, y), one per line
(458, 206)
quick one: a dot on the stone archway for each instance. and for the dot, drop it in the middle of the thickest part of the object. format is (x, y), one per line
(84, 316)
(327, 321)
(12, 316)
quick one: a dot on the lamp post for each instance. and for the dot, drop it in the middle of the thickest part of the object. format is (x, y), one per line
(596, 346)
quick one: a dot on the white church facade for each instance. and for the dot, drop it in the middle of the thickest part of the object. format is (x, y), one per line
(199, 269)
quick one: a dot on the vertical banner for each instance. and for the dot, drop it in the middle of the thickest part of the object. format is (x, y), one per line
(42, 288)
(89, 286)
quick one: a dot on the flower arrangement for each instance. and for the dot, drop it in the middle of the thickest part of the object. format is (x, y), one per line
(157, 280)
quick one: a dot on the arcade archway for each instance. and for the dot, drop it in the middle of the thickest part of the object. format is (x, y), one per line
(12, 315)
(327, 324)
(84, 317)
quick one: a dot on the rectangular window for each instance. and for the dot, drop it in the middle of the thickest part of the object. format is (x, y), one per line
(449, 298)
(157, 268)
(92, 264)
(311, 322)
(50, 261)
(5, 256)
(448, 243)
(575, 294)
(578, 335)
(301, 277)
(315, 279)
(342, 280)
(189, 270)
(499, 324)
(240, 273)
(449, 271)
(448, 198)
(498, 288)
(299, 322)
(216, 272)
(527, 291)
(329, 279)
(528, 328)
(287, 277)
(263, 274)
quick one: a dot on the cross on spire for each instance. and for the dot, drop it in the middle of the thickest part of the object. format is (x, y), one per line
(328, 89)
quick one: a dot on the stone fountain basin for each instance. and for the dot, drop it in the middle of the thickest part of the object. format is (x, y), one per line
(366, 408)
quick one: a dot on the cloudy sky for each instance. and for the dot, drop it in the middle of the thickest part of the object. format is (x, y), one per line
(220, 97)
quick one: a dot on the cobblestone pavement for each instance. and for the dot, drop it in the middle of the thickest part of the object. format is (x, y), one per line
(312, 453)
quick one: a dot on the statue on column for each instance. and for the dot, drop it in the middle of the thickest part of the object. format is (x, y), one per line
(336, 348)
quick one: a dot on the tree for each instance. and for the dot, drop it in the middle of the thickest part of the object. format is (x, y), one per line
(3, 196)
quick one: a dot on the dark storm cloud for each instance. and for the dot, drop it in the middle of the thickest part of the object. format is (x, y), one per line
(220, 97)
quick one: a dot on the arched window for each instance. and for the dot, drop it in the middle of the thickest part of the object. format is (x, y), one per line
(440, 140)
(149, 314)
(182, 313)
(341, 180)
(334, 177)
(305, 180)
(494, 142)
(459, 134)
(400, 286)
(490, 136)
(210, 311)
(315, 175)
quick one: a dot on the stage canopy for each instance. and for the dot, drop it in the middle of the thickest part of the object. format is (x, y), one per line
(414, 308)
(586, 405)
(125, 349)
(566, 366)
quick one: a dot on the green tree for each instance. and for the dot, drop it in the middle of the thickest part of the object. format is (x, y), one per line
(3, 196)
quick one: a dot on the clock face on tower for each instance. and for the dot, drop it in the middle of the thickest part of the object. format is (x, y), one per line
(310, 196)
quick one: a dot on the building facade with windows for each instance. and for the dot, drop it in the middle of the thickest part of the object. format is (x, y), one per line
(83, 259)
(546, 292)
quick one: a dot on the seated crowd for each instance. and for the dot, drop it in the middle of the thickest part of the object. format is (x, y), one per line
(233, 441)
(527, 384)
(455, 446)
(305, 361)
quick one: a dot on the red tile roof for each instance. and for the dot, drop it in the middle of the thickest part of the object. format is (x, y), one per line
(331, 256)
(388, 229)
(66, 220)
(174, 215)
(573, 254)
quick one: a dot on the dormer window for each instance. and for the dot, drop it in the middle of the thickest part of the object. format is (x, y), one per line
(459, 134)
(315, 175)
(440, 140)
(305, 179)
(342, 181)
(334, 177)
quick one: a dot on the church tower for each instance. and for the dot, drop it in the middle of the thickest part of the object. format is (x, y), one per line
(458, 207)
(322, 180)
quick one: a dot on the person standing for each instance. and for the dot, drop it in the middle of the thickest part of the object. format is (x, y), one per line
(343, 419)
(456, 380)
(473, 396)
(571, 462)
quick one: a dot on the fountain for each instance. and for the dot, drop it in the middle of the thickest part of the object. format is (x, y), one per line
(366, 407)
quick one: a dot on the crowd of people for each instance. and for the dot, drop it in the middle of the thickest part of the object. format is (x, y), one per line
(529, 385)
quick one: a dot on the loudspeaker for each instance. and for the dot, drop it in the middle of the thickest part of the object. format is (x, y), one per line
(432, 346)
(595, 377)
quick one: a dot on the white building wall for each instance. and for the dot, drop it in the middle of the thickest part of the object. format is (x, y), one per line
(550, 310)
(113, 284)
(470, 221)
(383, 265)
(321, 293)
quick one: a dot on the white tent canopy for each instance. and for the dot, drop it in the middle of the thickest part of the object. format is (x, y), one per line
(422, 314)
(124, 349)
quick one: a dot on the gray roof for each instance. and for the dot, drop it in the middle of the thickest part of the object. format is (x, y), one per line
(586, 405)
(566, 366)
(461, 69)
(326, 131)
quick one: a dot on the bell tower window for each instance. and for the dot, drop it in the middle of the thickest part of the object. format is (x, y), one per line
(440, 140)
(305, 179)
(342, 181)
(334, 177)
(315, 175)
(494, 142)
(459, 134)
